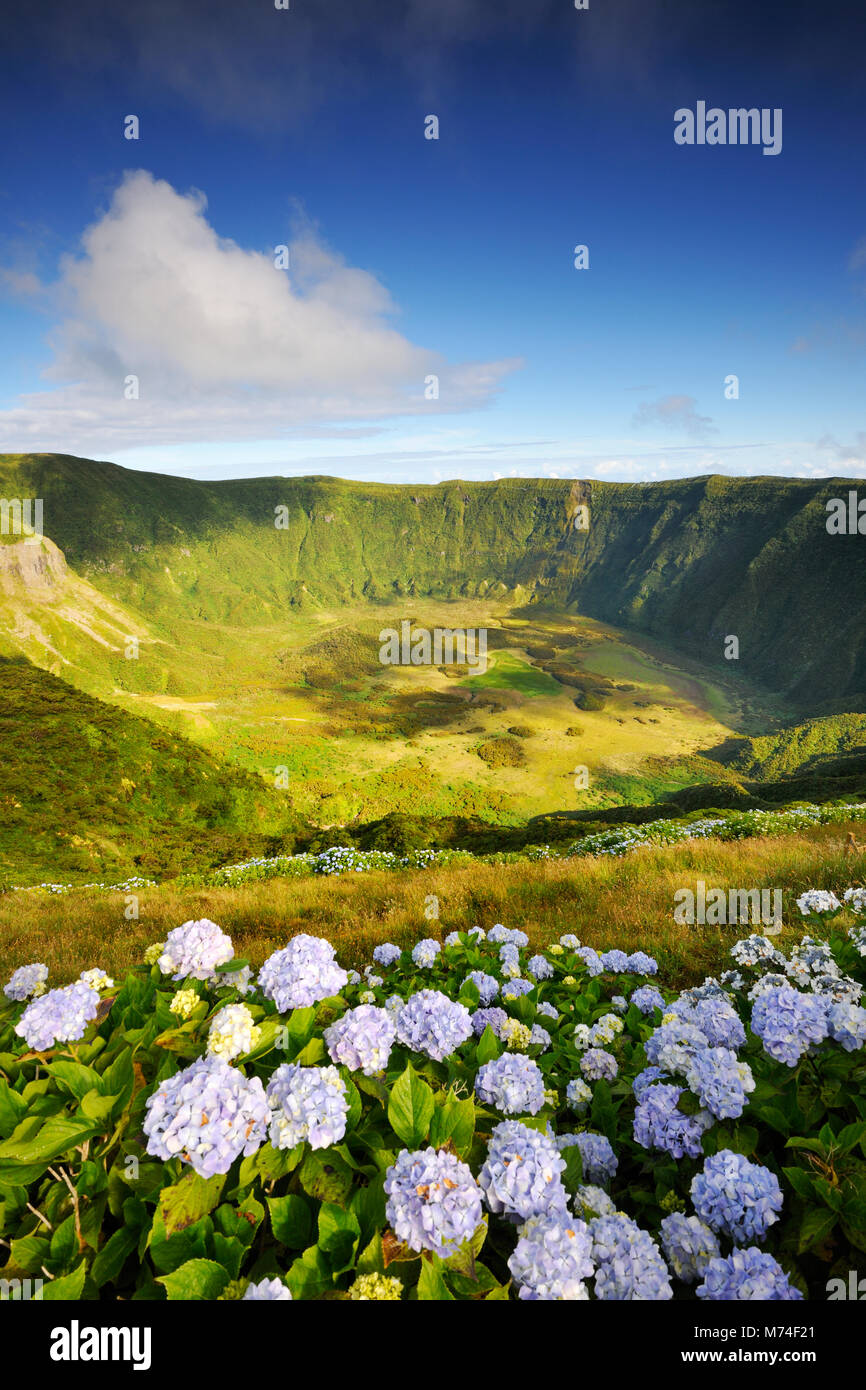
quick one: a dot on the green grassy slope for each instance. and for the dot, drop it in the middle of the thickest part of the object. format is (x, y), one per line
(90, 790)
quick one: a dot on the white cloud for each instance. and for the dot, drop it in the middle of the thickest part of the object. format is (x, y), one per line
(674, 412)
(224, 345)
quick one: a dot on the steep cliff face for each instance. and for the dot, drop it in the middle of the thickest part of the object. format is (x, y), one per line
(30, 566)
(691, 562)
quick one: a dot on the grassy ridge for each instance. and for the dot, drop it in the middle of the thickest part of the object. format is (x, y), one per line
(88, 789)
(687, 561)
(607, 902)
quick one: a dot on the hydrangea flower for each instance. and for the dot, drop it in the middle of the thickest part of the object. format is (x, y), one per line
(639, 963)
(599, 1160)
(540, 968)
(194, 950)
(646, 998)
(208, 1114)
(386, 953)
(592, 1201)
(61, 1015)
(788, 1022)
(487, 985)
(837, 989)
(372, 980)
(302, 973)
(352, 977)
(591, 959)
(659, 1124)
(615, 961)
(431, 1022)
(521, 1176)
(689, 1245)
(619, 1003)
(552, 1258)
(425, 952)
(556, 949)
(646, 1078)
(578, 1095)
(232, 1032)
(97, 979)
(307, 1104)
(606, 1029)
(570, 942)
(512, 1083)
(494, 1017)
(739, 1198)
(516, 1035)
(856, 900)
(376, 1288)
(513, 989)
(183, 1002)
(817, 900)
(847, 1025)
(628, 1263)
(27, 980)
(716, 1018)
(598, 1065)
(748, 1274)
(673, 1044)
(499, 934)
(362, 1039)
(546, 1010)
(756, 950)
(267, 1290)
(434, 1203)
(153, 953)
(509, 961)
(539, 1037)
(367, 997)
(719, 1081)
(581, 1037)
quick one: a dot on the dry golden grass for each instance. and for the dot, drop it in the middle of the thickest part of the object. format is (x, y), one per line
(626, 903)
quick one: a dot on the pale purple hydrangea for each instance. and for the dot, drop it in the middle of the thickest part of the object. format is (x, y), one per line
(521, 1176)
(570, 942)
(513, 989)
(509, 961)
(552, 1258)
(267, 1290)
(817, 900)
(434, 1203)
(646, 1078)
(598, 1065)
(672, 1045)
(689, 1245)
(425, 952)
(386, 953)
(639, 963)
(61, 1015)
(615, 962)
(756, 950)
(646, 998)
(307, 1105)
(856, 900)
(739, 1198)
(749, 1273)
(599, 1160)
(715, 1016)
(628, 1263)
(302, 973)
(847, 1025)
(539, 1037)
(494, 1017)
(430, 1022)
(194, 950)
(499, 934)
(25, 981)
(591, 959)
(719, 1081)
(578, 1095)
(546, 1010)
(789, 1022)
(590, 1202)
(540, 968)
(512, 1083)
(207, 1115)
(659, 1124)
(619, 1003)
(362, 1039)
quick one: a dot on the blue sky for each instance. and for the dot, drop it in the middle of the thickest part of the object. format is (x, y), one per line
(154, 258)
